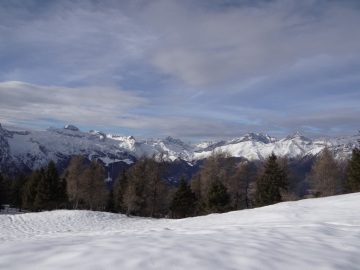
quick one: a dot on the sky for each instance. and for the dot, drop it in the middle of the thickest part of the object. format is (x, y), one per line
(188, 69)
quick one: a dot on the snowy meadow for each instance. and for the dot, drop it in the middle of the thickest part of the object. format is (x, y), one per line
(309, 234)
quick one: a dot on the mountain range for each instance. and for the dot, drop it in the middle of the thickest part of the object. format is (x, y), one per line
(25, 150)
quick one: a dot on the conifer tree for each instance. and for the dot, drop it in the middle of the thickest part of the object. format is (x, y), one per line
(270, 182)
(57, 186)
(183, 203)
(62, 199)
(48, 192)
(288, 193)
(218, 199)
(353, 172)
(42, 197)
(110, 205)
(4, 190)
(196, 186)
(31, 188)
(219, 167)
(119, 191)
(17, 190)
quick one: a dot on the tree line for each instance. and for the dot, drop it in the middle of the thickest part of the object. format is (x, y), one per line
(222, 184)
(43, 189)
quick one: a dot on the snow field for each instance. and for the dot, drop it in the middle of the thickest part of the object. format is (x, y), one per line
(308, 234)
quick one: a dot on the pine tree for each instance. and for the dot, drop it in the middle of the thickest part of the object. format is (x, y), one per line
(62, 197)
(43, 194)
(17, 190)
(119, 188)
(353, 172)
(4, 190)
(219, 167)
(51, 190)
(48, 193)
(289, 193)
(57, 188)
(270, 183)
(110, 205)
(31, 188)
(218, 199)
(183, 203)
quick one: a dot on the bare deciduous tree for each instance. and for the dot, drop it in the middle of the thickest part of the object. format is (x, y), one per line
(239, 187)
(156, 186)
(134, 197)
(324, 177)
(146, 192)
(86, 183)
(92, 186)
(73, 175)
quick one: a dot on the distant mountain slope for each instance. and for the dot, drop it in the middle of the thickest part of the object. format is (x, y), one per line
(29, 150)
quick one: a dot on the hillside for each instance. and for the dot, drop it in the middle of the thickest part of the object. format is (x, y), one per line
(309, 234)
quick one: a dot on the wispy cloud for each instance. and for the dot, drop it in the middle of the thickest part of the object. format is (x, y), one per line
(70, 42)
(205, 47)
(88, 105)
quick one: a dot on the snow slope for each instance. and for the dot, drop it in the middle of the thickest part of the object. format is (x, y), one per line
(309, 234)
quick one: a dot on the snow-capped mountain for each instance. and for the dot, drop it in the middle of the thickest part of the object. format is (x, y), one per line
(30, 150)
(259, 146)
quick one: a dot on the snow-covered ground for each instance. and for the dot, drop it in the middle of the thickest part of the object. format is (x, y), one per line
(309, 234)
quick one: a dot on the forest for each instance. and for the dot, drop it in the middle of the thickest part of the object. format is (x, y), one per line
(222, 184)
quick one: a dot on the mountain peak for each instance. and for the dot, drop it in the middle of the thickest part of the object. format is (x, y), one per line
(297, 135)
(258, 137)
(71, 127)
(175, 141)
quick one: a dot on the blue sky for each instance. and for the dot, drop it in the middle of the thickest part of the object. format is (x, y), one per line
(188, 69)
